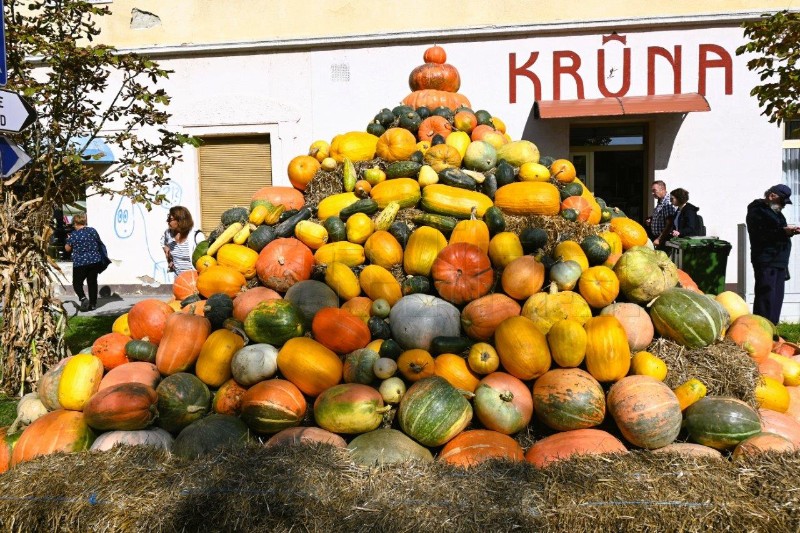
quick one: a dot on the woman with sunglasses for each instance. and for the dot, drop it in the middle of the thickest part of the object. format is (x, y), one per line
(177, 242)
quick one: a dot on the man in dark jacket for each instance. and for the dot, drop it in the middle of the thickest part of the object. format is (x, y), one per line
(770, 247)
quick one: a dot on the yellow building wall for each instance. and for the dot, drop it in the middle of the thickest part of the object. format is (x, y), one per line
(204, 22)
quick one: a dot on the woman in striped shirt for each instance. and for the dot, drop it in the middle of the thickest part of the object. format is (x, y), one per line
(177, 242)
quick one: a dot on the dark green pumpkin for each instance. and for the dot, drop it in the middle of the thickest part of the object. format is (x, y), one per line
(192, 298)
(401, 232)
(423, 112)
(234, 214)
(308, 297)
(410, 121)
(533, 239)
(547, 160)
(199, 251)
(218, 308)
(569, 214)
(720, 422)
(432, 411)
(494, 219)
(141, 350)
(260, 237)
(596, 249)
(182, 399)
(417, 157)
(378, 328)
(489, 186)
(401, 109)
(376, 128)
(416, 284)
(385, 117)
(437, 139)
(337, 230)
(210, 435)
(273, 322)
(358, 366)
(390, 349)
(444, 112)
(571, 189)
(504, 173)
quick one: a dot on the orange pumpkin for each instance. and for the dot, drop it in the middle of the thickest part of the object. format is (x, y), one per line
(780, 424)
(433, 98)
(301, 171)
(503, 403)
(563, 170)
(184, 335)
(462, 273)
(396, 144)
(219, 278)
(434, 125)
(360, 306)
(435, 75)
(475, 446)
(481, 317)
(134, 372)
(147, 318)
(289, 197)
(762, 443)
(522, 348)
(442, 156)
(228, 399)
(580, 204)
(110, 348)
(685, 281)
(523, 277)
(416, 364)
(309, 365)
(483, 358)
(754, 334)
(630, 232)
(272, 405)
(185, 284)
(455, 370)
(566, 444)
(339, 330)
(284, 262)
(246, 301)
(382, 249)
(434, 54)
(599, 286)
(646, 411)
(472, 231)
(608, 355)
(57, 431)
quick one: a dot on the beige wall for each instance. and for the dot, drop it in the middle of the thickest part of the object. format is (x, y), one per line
(202, 22)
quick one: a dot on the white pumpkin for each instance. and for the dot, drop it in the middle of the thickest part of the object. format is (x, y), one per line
(29, 409)
(254, 363)
(154, 437)
(417, 318)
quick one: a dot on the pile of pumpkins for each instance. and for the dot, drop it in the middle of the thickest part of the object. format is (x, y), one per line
(436, 335)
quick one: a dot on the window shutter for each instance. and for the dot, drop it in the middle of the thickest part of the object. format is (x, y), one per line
(231, 170)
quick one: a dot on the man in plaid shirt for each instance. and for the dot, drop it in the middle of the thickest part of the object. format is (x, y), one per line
(660, 223)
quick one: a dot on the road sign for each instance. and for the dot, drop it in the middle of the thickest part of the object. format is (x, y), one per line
(3, 71)
(12, 158)
(15, 113)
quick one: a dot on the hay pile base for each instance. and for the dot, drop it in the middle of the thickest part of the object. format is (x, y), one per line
(316, 488)
(724, 368)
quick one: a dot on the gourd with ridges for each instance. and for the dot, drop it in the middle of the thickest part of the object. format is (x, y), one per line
(690, 319)
(432, 411)
(721, 422)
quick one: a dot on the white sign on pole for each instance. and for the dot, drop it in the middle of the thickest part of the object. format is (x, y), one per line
(15, 113)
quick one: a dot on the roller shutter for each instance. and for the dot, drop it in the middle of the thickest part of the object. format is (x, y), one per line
(231, 170)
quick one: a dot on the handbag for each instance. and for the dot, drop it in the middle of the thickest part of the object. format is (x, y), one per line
(104, 260)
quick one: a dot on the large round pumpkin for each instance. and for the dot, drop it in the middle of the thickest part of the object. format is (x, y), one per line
(503, 403)
(432, 411)
(147, 318)
(691, 319)
(396, 144)
(522, 277)
(57, 431)
(599, 286)
(182, 399)
(569, 398)
(220, 278)
(644, 274)
(636, 322)
(110, 348)
(125, 406)
(309, 365)
(547, 308)
(308, 297)
(274, 322)
(646, 411)
(210, 435)
(480, 317)
(567, 444)
(462, 272)
(522, 348)
(608, 356)
(417, 318)
(244, 302)
(284, 262)
(478, 445)
(349, 408)
(185, 284)
(754, 334)
(780, 424)
(273, 405)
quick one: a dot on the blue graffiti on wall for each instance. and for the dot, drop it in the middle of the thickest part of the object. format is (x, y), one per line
(125, 224)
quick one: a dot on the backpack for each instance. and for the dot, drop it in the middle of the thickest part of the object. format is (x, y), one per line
(701, 227)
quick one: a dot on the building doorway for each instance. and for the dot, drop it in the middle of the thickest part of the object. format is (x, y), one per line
(611, 160)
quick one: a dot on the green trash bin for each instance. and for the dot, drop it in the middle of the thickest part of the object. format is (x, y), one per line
(703, 258)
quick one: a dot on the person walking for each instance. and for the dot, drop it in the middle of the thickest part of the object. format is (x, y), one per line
(177, 242)
(87, 260)
(686, 222)
(770, 247)
(659, 224)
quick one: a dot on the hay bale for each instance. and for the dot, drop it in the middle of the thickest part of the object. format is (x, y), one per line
(724, 368)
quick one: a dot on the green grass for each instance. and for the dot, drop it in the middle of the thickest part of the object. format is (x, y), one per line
(789, 331)
(8, 410)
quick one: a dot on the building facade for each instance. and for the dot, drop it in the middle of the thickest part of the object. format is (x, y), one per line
(631, 92)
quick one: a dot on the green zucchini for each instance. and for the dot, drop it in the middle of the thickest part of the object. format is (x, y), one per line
(443, 223)
(286, 228)
(445, 344)
(456, 178)
(366, 205)
(402, 169)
